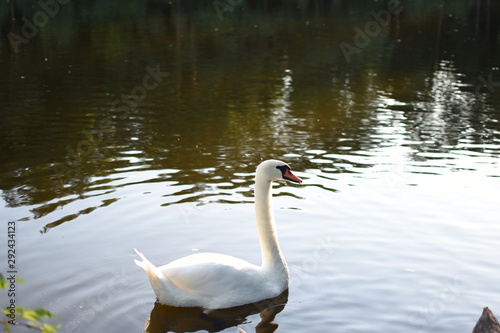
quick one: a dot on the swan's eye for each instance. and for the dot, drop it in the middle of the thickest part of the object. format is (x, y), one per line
(283, 168)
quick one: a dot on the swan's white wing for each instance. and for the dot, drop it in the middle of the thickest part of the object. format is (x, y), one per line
(213, 274)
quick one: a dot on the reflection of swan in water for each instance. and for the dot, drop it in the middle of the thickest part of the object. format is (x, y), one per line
(216, 281)
(166, 318)
(487, 323)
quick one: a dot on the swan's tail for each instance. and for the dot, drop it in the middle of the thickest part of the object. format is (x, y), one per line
(156, 277)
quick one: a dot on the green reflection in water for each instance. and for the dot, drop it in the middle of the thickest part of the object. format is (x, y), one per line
(263, 80)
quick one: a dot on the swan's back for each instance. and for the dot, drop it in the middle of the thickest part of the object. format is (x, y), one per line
(211, 272)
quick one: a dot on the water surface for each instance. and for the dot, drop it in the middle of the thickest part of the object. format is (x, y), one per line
(395, 227)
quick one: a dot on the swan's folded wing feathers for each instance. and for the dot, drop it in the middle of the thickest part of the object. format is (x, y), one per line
(209, 273)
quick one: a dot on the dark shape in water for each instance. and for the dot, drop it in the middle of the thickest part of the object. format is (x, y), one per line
(166, 318)
(487, 323)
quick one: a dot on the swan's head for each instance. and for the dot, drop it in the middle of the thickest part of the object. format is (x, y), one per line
(275, 170)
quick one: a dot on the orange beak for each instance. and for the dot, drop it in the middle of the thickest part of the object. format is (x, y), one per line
(291, 177)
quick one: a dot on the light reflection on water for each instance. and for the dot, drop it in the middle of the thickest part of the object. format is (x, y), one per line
(388, 253)
(406, 224)
(399, 204)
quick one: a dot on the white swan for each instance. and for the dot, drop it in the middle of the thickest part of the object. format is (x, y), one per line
(218, 281)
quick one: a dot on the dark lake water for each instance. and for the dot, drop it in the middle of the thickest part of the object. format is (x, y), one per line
(140, 125)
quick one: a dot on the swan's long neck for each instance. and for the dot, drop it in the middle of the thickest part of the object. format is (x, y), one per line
(271, 253)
